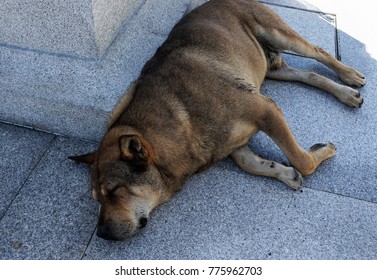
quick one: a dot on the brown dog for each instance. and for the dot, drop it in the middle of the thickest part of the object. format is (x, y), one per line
(198, 100)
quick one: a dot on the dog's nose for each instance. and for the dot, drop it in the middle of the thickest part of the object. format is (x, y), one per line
(104, 232)
(143, 222)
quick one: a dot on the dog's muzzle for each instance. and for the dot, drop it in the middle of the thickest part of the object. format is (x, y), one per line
(118, 232)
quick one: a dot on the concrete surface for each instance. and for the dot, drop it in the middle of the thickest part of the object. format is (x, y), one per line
(82, 28)
(46, 211)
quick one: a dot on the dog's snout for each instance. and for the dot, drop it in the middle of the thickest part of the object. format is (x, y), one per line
(119, 230)
(143, 222)
(104, 231)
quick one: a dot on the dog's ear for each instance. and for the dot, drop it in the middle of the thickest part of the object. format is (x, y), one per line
(133, 150)
(86, 158)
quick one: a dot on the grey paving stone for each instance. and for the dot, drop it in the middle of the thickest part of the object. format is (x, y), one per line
(224, 213)
(53, 216)
(20, 150)
(327, 226)
(159, 16)
(78, 28)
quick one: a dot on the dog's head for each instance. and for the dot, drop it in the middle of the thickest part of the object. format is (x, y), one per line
(125, 182)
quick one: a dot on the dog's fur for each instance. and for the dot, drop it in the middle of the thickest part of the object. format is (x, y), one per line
(197, 101)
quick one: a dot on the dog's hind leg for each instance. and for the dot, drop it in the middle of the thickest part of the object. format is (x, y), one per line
(275, 34)
(256, 165)
(345, 94)
(271, 121)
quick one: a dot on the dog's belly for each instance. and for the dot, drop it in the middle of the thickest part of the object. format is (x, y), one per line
(240, 134)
